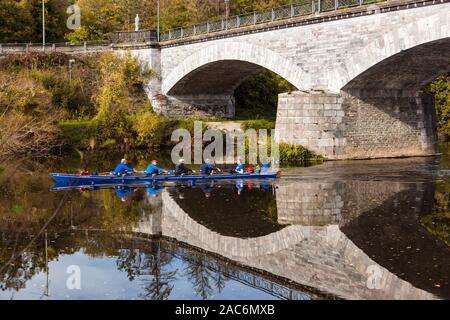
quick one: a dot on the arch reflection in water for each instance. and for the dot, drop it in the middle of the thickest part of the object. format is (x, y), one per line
(323, 236)
(312, 250)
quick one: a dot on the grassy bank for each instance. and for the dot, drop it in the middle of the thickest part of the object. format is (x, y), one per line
(102, 105)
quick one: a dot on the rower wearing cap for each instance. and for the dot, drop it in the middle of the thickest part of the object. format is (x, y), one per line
(153, 169)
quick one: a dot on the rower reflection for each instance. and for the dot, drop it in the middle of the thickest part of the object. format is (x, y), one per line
(207, 189)
(154, 190)
(123, 192)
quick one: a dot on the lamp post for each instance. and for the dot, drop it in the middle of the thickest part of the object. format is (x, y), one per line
(71, 62)
(43, 25)
(227, 9)
(158, 20)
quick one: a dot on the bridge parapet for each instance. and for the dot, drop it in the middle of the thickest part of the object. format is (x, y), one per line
(291, 15)
(86, 47)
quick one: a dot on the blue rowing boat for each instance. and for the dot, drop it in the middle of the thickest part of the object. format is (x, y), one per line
(76, 181)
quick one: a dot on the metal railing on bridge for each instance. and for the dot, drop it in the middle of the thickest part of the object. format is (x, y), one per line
(129, 37)
(119, 40)
(286, 12)
(125, 39)
(92, 46)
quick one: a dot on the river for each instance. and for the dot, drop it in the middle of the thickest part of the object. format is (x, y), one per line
(375, 229)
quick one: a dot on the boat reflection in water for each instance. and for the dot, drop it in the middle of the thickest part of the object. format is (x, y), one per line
(341, 237)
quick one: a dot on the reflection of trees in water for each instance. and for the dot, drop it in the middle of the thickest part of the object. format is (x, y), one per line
(205, 273)
(14, 275)
(28, 206)
(149, 263)
(199, 274)
(157, 282)
(438, 221)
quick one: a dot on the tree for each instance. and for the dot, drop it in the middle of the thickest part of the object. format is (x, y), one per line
(16, 24)
(440, 89)
(21, 20)
(99, 18)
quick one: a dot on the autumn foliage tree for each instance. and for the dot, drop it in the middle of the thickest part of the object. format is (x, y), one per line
(21, 20)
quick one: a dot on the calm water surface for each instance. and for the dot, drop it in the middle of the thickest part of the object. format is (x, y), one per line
(354, 230)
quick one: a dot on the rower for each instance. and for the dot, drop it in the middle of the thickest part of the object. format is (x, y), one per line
(265, 168)
(240, 167)
(181, 169)
(153, 169)
(84, 171)
(208, 168)
(123, 169)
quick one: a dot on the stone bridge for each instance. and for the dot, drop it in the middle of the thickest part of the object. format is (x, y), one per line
(312, 246)
(358, 74)
(357, 68)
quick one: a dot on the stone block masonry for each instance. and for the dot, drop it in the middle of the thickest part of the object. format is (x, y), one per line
(360, 125)
(389, 124)
(314, 119)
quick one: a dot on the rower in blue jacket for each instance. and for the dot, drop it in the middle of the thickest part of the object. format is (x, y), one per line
(265, 168)
(208, 168)
(123, 169)
(153, 169)
(240, 167)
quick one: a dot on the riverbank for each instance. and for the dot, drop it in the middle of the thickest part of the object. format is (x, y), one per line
(98, 103)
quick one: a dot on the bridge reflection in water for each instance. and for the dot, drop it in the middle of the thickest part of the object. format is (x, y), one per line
(328, 232)
(311, 242)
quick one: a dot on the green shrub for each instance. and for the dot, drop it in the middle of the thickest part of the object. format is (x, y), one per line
(440, 89)
(134, 74)
(155, 132)
(64, 95)
(79, 35)
(293, 154)
(75, 133)
(112, 120)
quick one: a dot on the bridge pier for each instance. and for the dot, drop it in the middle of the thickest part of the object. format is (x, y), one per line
(204, 105)
(359, 124)
(314, 119)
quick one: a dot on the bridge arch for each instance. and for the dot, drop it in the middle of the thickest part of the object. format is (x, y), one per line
(422, 43)
(377, 107)
(238, 55)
